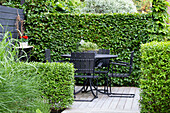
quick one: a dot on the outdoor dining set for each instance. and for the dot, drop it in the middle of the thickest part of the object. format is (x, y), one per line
(91, 66)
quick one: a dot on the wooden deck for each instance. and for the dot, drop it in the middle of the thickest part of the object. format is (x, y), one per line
(105, 104)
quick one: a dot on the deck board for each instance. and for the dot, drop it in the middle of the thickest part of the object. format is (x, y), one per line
(105, 104)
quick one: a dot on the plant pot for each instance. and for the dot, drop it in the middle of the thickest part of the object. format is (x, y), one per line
(91, 51)
(23, 44)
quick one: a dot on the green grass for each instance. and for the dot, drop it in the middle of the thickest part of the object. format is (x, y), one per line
(19, 90)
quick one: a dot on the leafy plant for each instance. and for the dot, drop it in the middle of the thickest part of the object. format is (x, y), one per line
(143, 6)
(109, 6)
(57, 83)
(87, 46)
(154, 82)
(19, 91)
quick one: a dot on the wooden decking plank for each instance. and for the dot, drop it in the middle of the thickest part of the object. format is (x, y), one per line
(100, 102)
(105, 104)
(108, 101)
(96, 101)
(113, 105)
(122, 101)
(135, 105)
(86, 97)
(129, 101)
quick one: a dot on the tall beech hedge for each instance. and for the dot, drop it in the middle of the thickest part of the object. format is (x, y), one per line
(121, 33)
(154, 81)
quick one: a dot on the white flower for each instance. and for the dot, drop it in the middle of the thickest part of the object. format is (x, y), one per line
(82, 42)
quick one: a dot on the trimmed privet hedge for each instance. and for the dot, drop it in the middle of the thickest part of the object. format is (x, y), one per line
(121, 33)
(155, 82)
(57, 83)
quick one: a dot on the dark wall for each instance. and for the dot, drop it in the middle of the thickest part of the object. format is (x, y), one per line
(8, 19)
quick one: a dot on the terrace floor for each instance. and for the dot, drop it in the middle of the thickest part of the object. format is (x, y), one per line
(105, 104)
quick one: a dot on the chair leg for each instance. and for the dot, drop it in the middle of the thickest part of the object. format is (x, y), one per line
(86, 87)
(107, 85)
(74, 92)
(110, 84)
(95, 96)
(123, 95)
(85, 82)
(97, 89)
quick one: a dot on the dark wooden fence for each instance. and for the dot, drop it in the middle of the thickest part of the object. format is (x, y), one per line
(8, 19)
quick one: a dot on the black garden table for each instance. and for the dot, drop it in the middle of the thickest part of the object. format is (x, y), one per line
(97, 56)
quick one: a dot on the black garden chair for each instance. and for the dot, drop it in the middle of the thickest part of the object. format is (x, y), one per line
(116, 74)
(84, 63)
(103, 66)
(48, 56)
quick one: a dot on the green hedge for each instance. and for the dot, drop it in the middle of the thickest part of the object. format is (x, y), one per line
(29, 87)
(155, 82)
(57, 83)
(121, 33)
(28, 82)
(19, 91)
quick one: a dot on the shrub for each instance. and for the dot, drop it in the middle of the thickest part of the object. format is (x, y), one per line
(109, 6)
(23, 84)
(121, 33)
(87, 46)
(57, 83)
(154, 82)
(19, 91)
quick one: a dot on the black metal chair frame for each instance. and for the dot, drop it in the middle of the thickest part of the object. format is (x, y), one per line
(129, 65)
(48, 57)
(103, 63)
(84, 63)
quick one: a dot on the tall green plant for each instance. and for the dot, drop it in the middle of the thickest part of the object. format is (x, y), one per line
(19, 89)
(160, 15)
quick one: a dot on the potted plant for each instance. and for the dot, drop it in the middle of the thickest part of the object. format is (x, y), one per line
(87, 47)
(23, 41)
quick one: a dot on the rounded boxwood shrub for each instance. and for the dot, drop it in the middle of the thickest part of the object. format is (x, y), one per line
(155, 82)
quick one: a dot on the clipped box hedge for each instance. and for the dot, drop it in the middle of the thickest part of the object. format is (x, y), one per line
(57, 83)
(121, 33)
(155, 82)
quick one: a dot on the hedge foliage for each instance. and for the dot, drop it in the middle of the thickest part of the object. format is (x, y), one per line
(27, 87)
(155, 82)
(121, 33)
(117, 32)
(57, 83)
